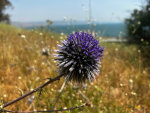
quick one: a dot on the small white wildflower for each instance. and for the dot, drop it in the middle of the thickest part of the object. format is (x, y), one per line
(116, 49)
(45, 51)
(133, 93)
(93, 33)
(100, 38)
(131, 81)
(139, 51)
(121, 85)
(80, 101)
(144, 72)
(19, 78)
(22, 36)
(92, 83)
(45, 109)
(54, 61)
(73, 32)
(41, 34)
(43, 63)
(1, 106)
(96, 87)
(142, 39)
(52, 89)
(61, 37)
(65, 107)
(4, 95)
(138, 22)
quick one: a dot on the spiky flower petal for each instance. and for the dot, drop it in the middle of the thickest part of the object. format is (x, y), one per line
(79, 57)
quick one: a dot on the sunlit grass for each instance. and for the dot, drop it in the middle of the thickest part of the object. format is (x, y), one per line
(122, 86)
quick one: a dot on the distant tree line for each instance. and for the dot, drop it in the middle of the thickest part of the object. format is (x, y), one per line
(138, 25)
(4, 4)
(138, 30)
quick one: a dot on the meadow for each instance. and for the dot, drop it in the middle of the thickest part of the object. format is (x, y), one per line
(123, 85)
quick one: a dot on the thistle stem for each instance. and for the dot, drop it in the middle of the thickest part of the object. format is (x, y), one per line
(33, 91)
(68, 109)
(60, 93)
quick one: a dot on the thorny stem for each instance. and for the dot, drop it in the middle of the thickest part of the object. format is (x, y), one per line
(69, 109)
(33, 91)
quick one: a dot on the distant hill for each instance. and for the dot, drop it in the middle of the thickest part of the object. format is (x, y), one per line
(43, 23)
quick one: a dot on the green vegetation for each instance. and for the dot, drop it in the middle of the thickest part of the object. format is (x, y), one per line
(3, 5)
(123, 85)
(138, 27)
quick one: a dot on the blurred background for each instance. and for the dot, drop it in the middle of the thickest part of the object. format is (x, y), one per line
(104, 17)
(30, 31)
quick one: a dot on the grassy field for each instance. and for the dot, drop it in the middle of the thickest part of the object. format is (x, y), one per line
(123, 85)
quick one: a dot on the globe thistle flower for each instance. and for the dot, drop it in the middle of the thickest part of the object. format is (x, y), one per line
(79, 57)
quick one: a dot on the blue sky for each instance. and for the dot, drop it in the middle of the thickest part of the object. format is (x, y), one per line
(41, 10)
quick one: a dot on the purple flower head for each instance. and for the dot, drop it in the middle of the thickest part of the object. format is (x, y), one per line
(79, 57)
